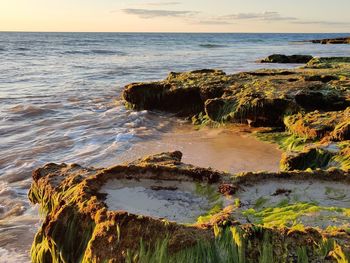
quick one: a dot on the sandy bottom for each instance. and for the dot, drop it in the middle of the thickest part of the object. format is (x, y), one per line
(182, 202)
(225, 149)
(280, 193)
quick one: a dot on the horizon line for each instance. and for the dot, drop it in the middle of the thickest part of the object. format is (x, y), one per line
(169, 32)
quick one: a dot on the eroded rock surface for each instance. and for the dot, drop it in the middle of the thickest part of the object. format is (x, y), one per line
(83, 223)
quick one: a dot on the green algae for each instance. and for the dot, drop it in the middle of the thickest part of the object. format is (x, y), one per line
(234, 244)
(284, 140)
(227, 246)
(287, 214)
(75, 231)
(215, 199)
(302, 255)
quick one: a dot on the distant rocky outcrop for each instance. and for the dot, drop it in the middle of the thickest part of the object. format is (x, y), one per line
(339, 40)
(293, 59)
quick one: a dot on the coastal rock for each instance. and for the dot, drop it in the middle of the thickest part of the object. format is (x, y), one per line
(158, 96)
(81, 224)
(329, 62)
(314, 158)
(342, 131)
(318, 125)
(339, 40)
(258, 112)
(259, 98)
(293, 59)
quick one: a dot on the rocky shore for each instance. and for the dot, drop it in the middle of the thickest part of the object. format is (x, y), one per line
(300, 214)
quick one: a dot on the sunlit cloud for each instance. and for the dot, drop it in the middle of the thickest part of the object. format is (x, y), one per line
(213, 22)
(153, 13)
(161, 3)
(265, 16)
(199, 18)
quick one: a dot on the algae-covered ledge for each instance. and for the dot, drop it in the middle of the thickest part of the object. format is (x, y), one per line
(79, 226)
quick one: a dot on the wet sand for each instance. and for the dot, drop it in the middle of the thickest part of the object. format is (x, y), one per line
(231, 149)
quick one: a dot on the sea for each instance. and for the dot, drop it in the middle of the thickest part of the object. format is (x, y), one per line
(60, 102)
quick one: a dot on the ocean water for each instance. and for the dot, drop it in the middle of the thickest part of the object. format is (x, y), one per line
(59, 101)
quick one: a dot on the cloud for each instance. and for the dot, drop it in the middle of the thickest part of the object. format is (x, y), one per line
(265, 16)
(161, 3)
(214, 22)
(271, 16)
(193, 17)
(152, 13)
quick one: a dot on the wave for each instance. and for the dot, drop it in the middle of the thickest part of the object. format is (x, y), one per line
(22, 49)
(212, 45)
(30, 110)
(107, 52)
(94, 51)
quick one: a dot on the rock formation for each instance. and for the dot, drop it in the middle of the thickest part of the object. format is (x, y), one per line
(79, 225)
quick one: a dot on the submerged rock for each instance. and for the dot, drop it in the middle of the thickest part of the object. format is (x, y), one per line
(260, 98)
(293, 59)
(90, 215)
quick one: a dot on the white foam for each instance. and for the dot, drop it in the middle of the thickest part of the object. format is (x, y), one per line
(12, 256)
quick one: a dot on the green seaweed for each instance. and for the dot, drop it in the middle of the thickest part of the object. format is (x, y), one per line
(266, 254)
(227, 247)
(285, 214)
(302, 255)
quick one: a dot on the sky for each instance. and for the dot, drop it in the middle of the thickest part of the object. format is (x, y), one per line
(175, 15)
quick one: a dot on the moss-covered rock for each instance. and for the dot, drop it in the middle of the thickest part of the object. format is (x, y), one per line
(328, 62)
(293, 59)
(260, 98)
(314, 158)
(314, 140)
(318, 125)
(79, 226)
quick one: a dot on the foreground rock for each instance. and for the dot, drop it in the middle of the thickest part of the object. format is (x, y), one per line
(340, 40)
(294, 59)
(260, 98)
(82, 225)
